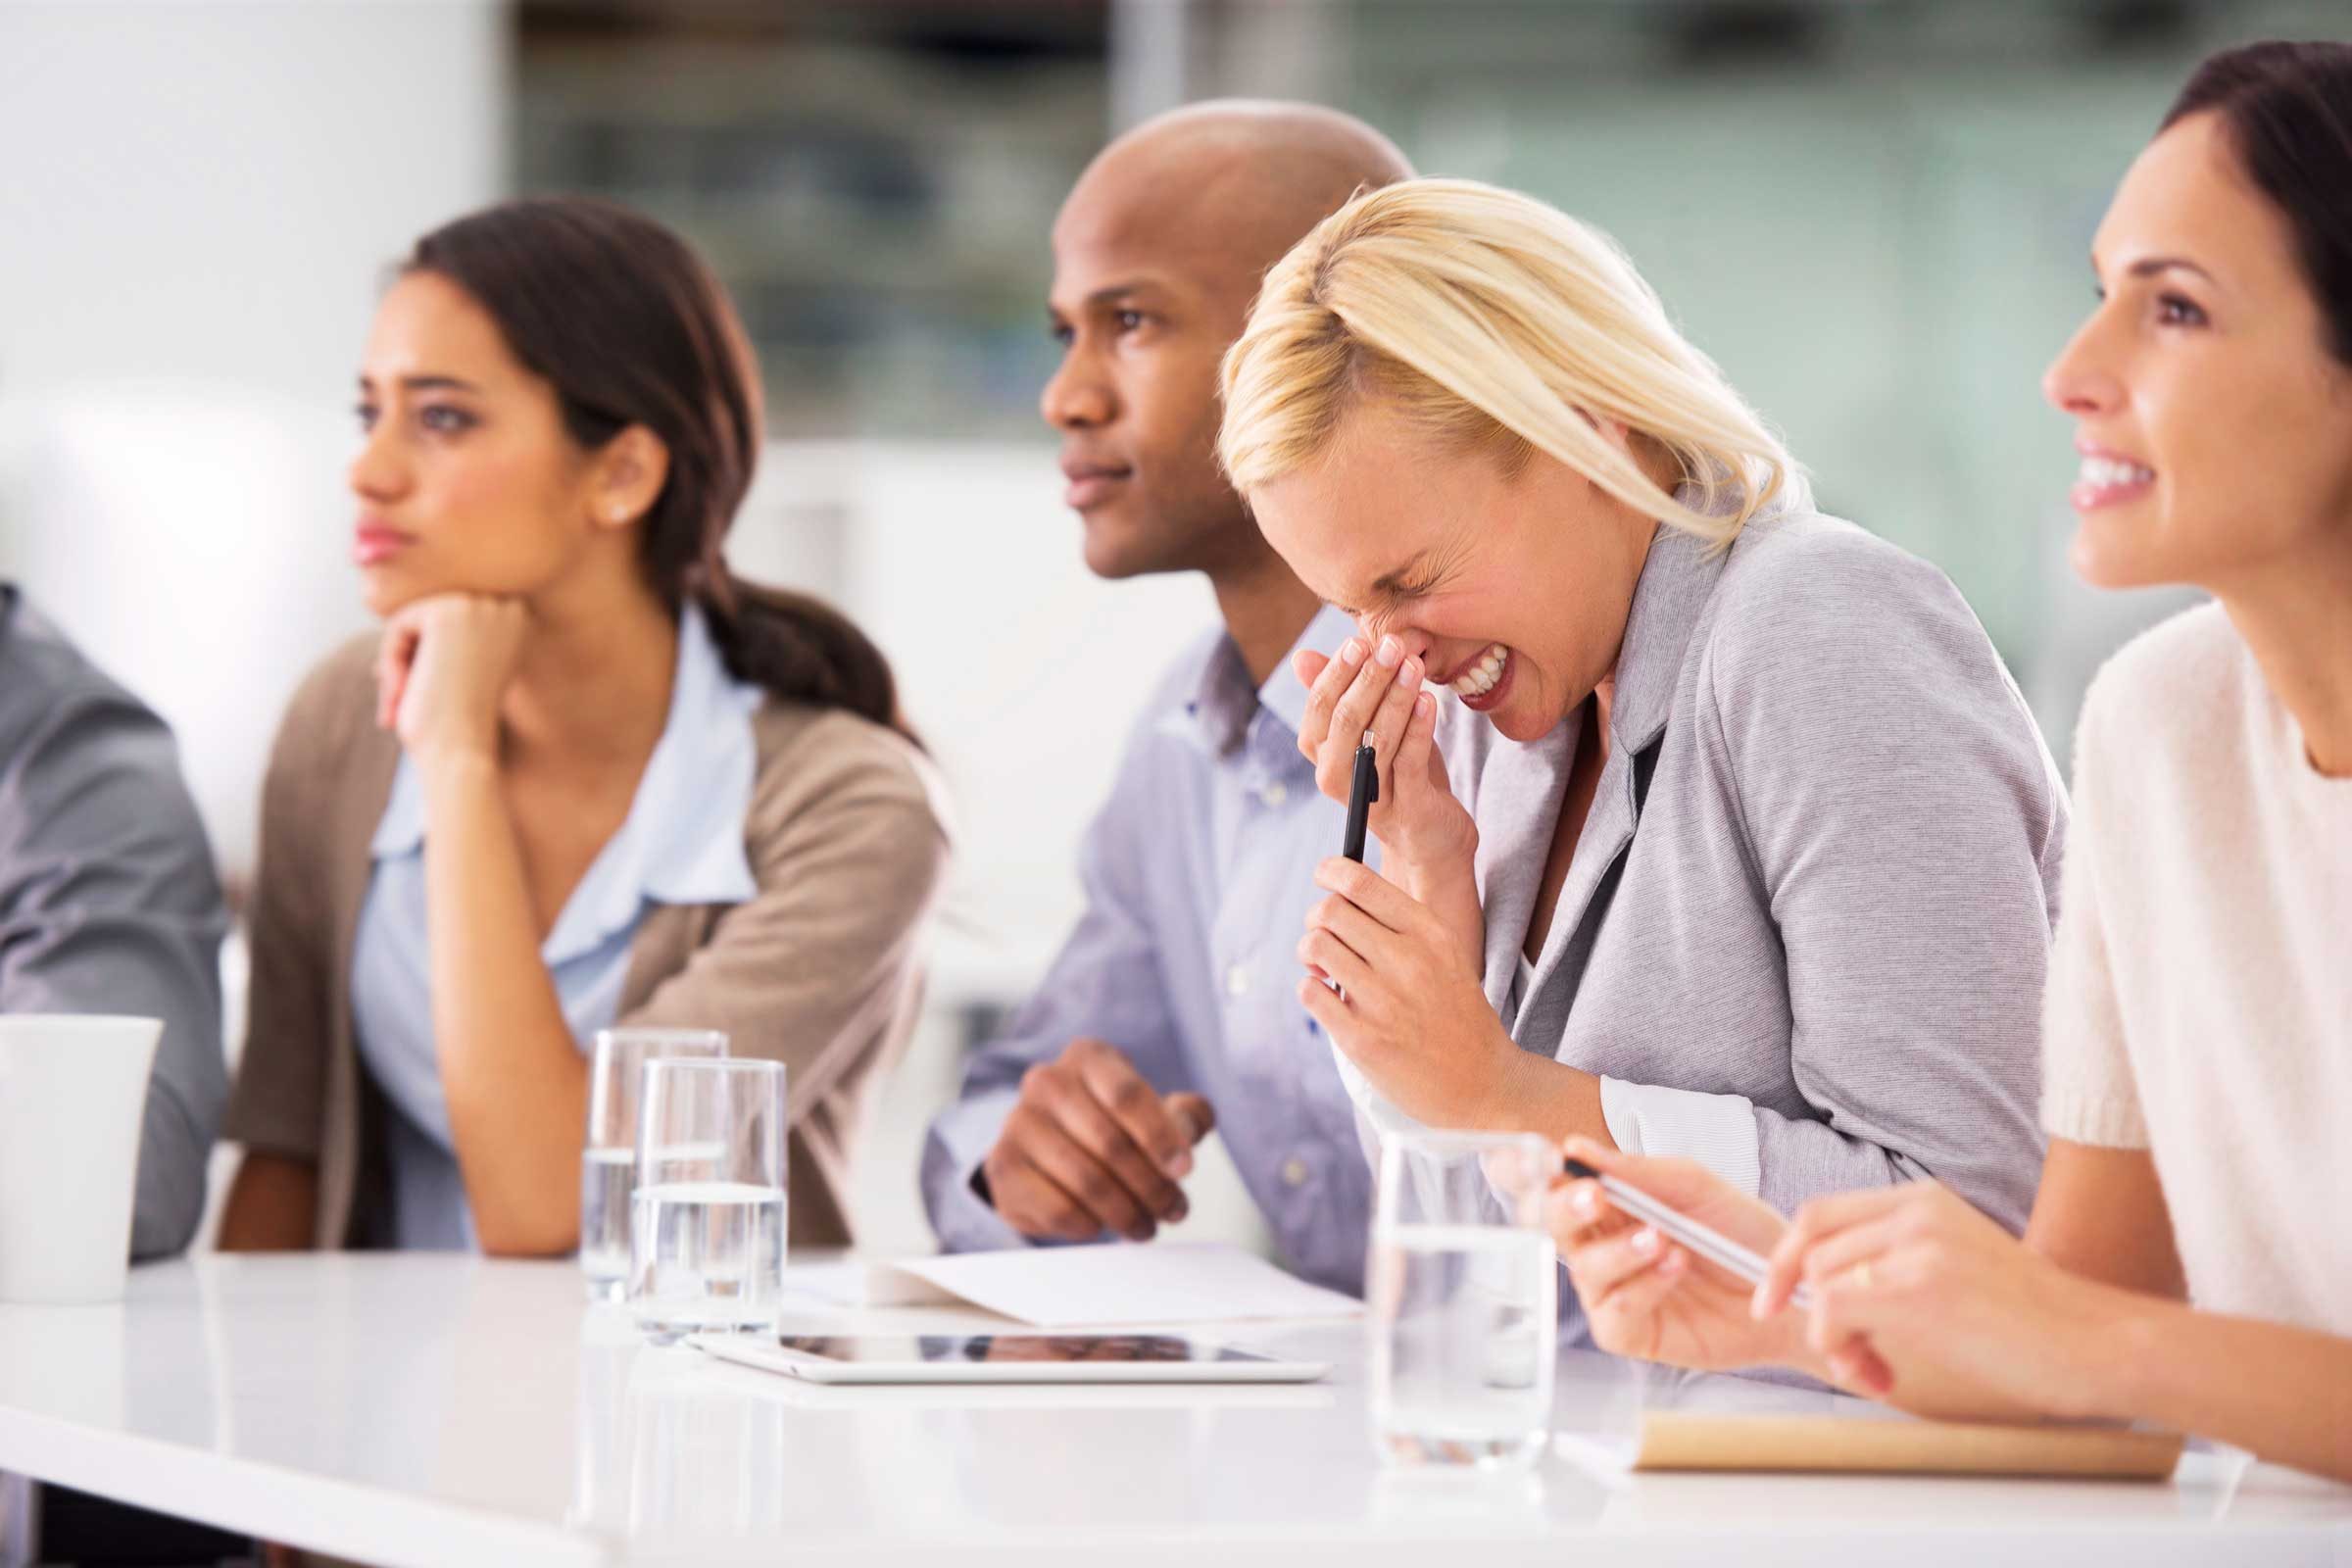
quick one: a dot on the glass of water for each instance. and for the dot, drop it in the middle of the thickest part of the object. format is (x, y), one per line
(608, 1157)
(706, 1234)
(1463, 1294)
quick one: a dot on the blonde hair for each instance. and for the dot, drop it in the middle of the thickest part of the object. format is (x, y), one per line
(1489, 318)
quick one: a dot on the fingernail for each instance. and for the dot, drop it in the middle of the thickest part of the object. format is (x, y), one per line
(1756, 1305)
(1408, 674)
(1391, 650)
(1182, 1165)
(1177, 1210)
(1351, 652)
(1588, 1202)
(1646, 1240)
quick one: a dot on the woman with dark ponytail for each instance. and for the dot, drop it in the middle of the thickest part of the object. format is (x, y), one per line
(584, 777)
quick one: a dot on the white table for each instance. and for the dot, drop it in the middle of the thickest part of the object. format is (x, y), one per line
(440, 1411)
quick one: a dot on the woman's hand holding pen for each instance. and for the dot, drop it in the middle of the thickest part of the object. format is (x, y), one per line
(1428, 843)
(1647, 1297)
(1914, 1296)
(1410, 1011)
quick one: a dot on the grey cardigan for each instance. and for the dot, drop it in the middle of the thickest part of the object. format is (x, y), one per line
(1803, 933)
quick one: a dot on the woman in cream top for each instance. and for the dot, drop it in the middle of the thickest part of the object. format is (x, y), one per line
(2189, 1259)
(584, 777)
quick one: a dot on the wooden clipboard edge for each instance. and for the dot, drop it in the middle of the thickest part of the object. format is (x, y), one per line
(1688, 1439)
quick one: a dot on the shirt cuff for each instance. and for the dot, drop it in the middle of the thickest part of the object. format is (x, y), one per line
(1718, 1131)
(958, 1145)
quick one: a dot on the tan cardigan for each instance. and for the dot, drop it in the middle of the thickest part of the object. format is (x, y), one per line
(846, 838)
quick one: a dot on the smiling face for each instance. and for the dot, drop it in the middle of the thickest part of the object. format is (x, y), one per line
(467, 479)
(2213, 426)
(1513, 587)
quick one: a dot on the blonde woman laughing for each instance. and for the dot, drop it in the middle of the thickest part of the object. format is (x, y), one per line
(1735, 841)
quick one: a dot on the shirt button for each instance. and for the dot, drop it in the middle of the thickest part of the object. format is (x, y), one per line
(1237, 979)
(1274, 794)
(1293, 1171)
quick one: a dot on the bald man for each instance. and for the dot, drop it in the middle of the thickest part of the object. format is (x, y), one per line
(1172, 1009)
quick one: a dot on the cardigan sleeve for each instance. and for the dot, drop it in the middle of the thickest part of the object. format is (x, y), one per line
(847, 845)
(279, 1103)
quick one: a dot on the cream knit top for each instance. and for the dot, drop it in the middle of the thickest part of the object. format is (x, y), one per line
(2200, 991)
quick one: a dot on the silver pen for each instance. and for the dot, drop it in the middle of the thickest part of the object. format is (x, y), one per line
(1714, 1247)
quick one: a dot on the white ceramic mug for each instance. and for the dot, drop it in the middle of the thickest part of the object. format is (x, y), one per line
(72, 1093)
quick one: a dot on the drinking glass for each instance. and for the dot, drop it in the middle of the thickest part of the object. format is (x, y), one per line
(707, 1229)
(609, 1156)
(1463, 1295)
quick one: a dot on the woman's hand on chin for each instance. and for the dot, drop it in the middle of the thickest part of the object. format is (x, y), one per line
(442, 669)
(1423, 830)
(1410, 1011)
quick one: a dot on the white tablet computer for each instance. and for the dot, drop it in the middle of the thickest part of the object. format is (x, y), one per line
(1024, 1358)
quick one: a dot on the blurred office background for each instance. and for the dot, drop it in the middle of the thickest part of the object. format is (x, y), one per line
(1874, 213)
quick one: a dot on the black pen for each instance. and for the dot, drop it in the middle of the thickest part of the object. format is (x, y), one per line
(1362, 791)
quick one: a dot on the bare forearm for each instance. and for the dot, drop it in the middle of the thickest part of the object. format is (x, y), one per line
(515, 1084)
(2282, 1392)
(1554, 1099)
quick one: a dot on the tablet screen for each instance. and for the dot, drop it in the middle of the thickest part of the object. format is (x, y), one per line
(899, 1349)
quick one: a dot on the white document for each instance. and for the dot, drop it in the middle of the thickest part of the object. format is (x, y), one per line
(1110, 1284)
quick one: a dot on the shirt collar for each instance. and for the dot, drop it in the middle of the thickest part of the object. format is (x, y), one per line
(682, 842)
(1222, 702)
(1282, 694)
(1677, 577)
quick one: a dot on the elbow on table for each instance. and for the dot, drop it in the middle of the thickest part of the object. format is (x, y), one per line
(526, 1235)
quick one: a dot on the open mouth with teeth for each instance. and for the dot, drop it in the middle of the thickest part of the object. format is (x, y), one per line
(2104, 480)
(1481, 686)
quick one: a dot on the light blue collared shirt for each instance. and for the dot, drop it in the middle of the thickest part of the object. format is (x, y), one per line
(682, 842)
(1199, 872)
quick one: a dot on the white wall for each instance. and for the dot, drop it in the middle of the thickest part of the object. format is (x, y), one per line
(197, 204)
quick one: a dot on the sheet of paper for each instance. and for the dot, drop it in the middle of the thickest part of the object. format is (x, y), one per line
(841, 1281)
(1112, 1284)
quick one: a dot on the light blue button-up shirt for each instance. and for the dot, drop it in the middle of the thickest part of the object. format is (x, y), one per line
(1197, 873)
(682, 842)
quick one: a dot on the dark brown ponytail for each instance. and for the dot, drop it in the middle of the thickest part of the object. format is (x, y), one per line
(2287, 107)
(631, 328)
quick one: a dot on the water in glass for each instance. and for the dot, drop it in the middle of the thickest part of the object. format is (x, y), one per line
(608, 1152)
(710, 1257)
(1462, 1362)
(1463, 1296)
(707, 1229)
(606, 1177)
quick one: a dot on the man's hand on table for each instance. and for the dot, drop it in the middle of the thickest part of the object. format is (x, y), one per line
(1092, 1147)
